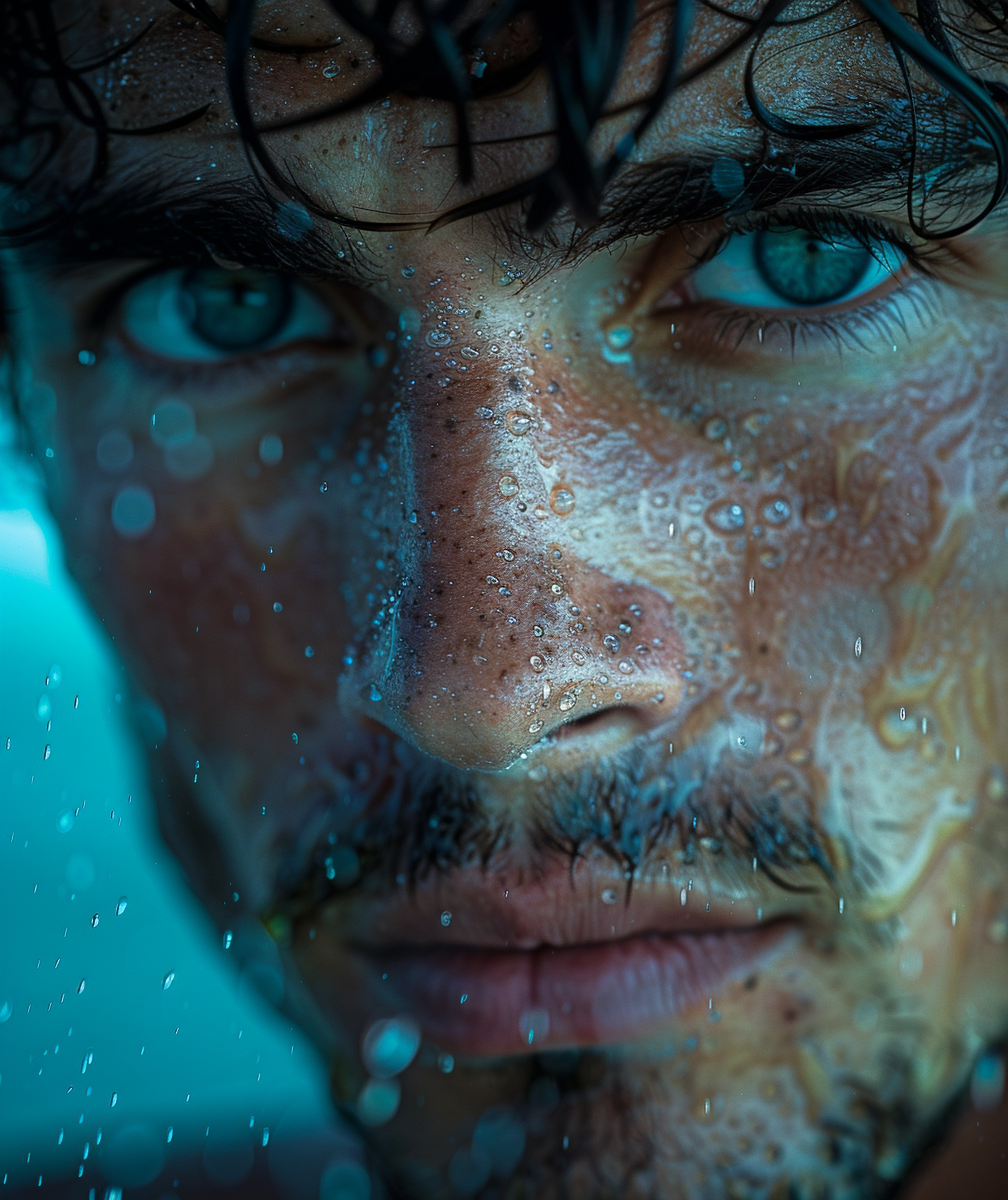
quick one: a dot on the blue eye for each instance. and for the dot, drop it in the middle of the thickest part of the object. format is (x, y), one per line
(793, 268)
(212, 314)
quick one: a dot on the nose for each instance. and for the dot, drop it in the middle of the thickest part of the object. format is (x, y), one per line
(504, 629)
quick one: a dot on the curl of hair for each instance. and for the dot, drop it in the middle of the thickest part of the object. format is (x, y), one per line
(581, 44)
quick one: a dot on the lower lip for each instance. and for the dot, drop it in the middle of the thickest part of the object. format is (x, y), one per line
(486, 1002)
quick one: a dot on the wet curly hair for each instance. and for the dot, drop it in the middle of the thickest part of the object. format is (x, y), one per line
(580, 44)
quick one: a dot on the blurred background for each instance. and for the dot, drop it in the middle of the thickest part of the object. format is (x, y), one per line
(136, 1055)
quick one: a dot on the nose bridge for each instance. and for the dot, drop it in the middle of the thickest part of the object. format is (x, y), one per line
(503, 632)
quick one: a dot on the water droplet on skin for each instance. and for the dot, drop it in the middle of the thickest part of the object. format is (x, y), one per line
(726, 517)
(330, 71)
(557, 589)
(167, 981)
(535, 726)
(518, 423)
(121, 906)
(438, 337)
(577, 658)
(611, 642)
(715, 429)
(562, 500)
(446, 918)
(819, 513)
(508, 486)
(776, 511)
(857, 648)
(469, 352)
(620, 336)
(610, 896)
(536, 663)
(625, 667)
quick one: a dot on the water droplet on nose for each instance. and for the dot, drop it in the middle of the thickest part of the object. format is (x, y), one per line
(610, 896)
(578, 658)
(536, 663)
(538, 630)
(857, 648)
(167, 981)
(518, 422)
(535, 726)
(446, 918)
(408, 272)
(508, 485)
(562, 500)
(715, 429)
(610, 642)
(726, 517)
(375, 693)
(625, 667)
(567, 701)
(469, 352)
(438, 337)
(121, 906)
(557, 589)
(776, 511)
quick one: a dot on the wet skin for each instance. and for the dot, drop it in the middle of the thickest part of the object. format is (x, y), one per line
(596, 609)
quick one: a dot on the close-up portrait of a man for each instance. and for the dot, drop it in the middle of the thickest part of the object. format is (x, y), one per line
(544, 463)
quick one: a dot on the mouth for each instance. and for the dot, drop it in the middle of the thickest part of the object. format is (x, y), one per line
(491, 967)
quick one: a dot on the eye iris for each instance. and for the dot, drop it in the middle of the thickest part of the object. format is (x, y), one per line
(235, 310)
(807, 269)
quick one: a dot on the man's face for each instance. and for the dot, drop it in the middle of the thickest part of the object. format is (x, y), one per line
(594, 662)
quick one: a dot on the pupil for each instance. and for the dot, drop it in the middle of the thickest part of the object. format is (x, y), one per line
(235, 310)
(802, 268)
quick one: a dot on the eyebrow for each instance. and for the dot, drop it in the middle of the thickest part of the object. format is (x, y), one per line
(235, 221)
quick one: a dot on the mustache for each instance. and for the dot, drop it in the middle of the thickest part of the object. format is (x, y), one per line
(397, 817)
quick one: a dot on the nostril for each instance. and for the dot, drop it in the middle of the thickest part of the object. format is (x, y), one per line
(616, 723)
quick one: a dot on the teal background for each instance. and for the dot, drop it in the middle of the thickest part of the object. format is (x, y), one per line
(98, 1059)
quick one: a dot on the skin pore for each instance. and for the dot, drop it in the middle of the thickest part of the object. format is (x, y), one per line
(551, 590)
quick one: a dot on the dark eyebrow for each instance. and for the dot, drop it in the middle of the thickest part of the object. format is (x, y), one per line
(199, 223)
(235, 221)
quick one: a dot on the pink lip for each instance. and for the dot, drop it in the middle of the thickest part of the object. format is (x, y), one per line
(496, 1002)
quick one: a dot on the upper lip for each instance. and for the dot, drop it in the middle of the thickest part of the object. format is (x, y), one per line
(557, 906)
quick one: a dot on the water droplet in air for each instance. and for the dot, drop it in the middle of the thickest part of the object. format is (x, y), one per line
(133, 512)
(94, 921)
(445, 1063)
(902, 714)
(121, 906)
(228, 938)
(610, 896)
(167, 981)
(390, 1045)
(682, 896)
(534, 1025)
(562, 500)
(80, 987)
(6, 1010)
(446, 918)
(44, 708)
(270, 449)
(857, 648)
(508, 486)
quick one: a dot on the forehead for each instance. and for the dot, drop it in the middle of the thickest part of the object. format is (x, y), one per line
(392, 151)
